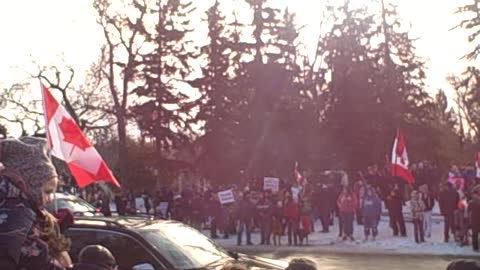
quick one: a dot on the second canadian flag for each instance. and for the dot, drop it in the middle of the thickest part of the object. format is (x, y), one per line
(400, 160)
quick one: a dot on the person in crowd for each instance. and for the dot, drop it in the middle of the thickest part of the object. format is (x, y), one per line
(121, 203)
(146, 201)
(325, 203)
(196, 207)
(448, 201)
(28, 180)
(418, 208)
(245, 210)
(347, 204)
(359, 189)
(95, 257)
(214, 207)
(104, 203)
(265, 212)
(371, 208)
(394, 203)
(304, 227)
(301, 264)
(429, 201)
(474, 212)
(277, 225)
(462, 222)
(291, 214)
(223, 219)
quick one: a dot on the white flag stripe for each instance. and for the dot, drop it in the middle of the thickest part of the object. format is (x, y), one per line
(89, 159)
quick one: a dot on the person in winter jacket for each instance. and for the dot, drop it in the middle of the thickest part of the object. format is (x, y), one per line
(429, 202)
(394, 203)
(245, 210)
(359, 189)
(347, 204)
(291, 213)
(418, 208)
(265, 212)
(449, 199)
(371, 208)
(95, 257)
(462, 222)
(322, 203)
(27, 183)
(474, 211)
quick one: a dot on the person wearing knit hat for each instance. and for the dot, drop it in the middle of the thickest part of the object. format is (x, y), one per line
(28, 180)
(95, 257)
(301, 264)
(464, 265)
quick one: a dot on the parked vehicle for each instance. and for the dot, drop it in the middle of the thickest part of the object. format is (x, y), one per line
(78, 206)
(146, 243)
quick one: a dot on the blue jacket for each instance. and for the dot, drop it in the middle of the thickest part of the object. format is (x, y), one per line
(371, 206)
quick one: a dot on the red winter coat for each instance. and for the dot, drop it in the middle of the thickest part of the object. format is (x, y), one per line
(291, 211)
(347, 202)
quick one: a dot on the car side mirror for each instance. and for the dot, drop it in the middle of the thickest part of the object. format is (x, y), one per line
(143, 266)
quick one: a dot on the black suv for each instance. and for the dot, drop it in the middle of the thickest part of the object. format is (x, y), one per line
(144, 243)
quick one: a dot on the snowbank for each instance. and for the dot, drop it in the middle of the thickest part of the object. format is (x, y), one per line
(384, 244)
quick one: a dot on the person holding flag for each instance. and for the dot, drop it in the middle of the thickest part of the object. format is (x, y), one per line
(400, 162)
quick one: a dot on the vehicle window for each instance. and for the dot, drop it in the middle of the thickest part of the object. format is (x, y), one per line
(125, 249)
(183, 246)
(80, 239)
(75, 206)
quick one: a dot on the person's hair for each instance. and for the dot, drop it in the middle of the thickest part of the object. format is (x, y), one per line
(233, 266)
(50, 233)
(302, 264)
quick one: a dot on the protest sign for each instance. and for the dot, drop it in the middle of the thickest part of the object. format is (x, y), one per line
(271, 183)
(226, 196)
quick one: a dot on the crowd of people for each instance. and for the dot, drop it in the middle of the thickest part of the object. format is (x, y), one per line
(31, 238)
(331, 198)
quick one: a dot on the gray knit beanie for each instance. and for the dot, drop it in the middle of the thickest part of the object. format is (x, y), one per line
(301, 264)
(29, 156)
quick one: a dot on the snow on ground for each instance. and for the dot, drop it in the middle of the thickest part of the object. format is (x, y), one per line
(384, 244)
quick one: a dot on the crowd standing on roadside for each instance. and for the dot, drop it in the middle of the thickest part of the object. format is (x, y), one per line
(288, 217)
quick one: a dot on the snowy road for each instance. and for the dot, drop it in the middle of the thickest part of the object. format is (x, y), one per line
(366, 262)
(385, 244)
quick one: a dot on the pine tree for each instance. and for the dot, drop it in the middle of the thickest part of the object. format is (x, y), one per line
(222, 102)
(162, 112)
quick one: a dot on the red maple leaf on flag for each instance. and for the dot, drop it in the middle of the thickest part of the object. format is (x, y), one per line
(72, 134)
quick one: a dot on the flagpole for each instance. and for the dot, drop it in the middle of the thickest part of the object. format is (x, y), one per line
(55, 203)
(395, 145)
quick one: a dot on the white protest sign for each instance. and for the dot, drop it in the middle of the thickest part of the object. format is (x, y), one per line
(140, 205)
(226, 196)
(271, 183)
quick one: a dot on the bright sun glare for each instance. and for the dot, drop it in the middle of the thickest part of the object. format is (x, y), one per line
(51, 30)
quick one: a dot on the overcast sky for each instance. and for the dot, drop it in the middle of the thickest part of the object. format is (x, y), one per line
(48, 31)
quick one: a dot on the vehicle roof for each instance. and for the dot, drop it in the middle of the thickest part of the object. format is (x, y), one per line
(66, 196)
(119, 222)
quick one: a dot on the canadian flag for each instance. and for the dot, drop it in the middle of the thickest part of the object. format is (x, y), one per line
(400, 159)
(68, 143)
(298, 175)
